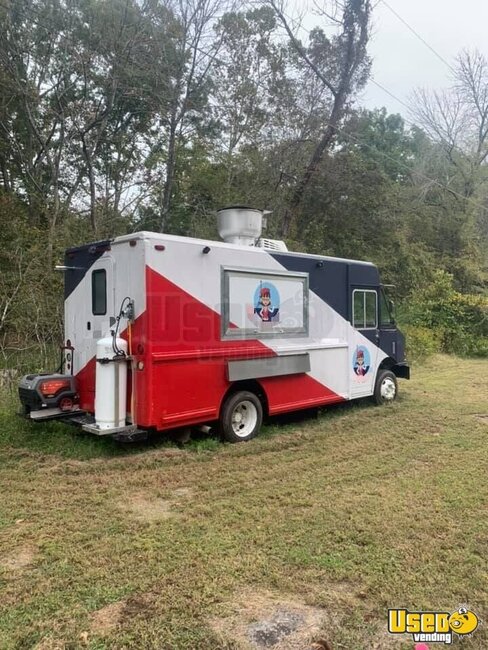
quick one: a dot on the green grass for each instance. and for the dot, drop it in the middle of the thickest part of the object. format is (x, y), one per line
(359, 510)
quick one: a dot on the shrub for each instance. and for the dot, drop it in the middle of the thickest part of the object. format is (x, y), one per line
(459, 322)
(421, 341)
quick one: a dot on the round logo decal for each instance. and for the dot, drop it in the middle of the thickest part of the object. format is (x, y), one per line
(361, 361)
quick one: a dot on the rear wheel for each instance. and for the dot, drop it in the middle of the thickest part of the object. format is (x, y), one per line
(241, 417)
(386, 388)
(66, 404)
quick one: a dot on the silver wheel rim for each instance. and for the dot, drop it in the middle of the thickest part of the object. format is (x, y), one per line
(244, 418)
(388, 389)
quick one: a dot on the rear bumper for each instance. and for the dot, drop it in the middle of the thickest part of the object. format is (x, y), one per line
(402, 370)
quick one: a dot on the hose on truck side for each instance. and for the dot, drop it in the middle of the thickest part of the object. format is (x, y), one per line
(117, 351)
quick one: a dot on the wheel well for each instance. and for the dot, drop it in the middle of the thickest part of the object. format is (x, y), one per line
(252, 386)
(386, 364)
(391, 364)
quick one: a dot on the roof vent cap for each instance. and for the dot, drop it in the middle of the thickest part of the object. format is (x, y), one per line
(241, 225)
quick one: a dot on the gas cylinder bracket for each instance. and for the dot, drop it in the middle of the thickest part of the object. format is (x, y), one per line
(127, 429)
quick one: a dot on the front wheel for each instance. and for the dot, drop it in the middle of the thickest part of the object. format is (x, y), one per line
(241, 417)
(386, 388)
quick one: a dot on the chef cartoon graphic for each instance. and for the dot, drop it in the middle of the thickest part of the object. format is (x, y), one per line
(264, 308)
(361, 361)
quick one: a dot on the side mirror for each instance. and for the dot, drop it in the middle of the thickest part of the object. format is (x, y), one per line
(391, 307)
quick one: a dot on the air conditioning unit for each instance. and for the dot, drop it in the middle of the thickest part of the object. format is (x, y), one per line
(272, 244)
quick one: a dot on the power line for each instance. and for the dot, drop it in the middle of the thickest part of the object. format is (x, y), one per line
(381, 153)
(409, 27)
(371, 79)
(380, 86)
(393, 96)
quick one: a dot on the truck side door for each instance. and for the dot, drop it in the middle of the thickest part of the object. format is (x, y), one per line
(364, 346)
(99, 303)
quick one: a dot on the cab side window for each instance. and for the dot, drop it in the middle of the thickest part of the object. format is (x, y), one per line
(365, 309)
(99, 292)
(386, 317)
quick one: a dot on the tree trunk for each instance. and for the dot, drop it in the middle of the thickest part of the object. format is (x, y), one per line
(170, 175)
(355, 21)
(91, 181)
(291, 212)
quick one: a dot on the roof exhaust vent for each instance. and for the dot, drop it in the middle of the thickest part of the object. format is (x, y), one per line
(240, 225)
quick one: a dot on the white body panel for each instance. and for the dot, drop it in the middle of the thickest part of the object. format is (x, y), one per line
(125, 268)
(331, 338)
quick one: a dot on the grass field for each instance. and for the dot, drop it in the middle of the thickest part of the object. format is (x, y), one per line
(337, 518)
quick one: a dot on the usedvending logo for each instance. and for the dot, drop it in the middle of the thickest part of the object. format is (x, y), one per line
(432, 627)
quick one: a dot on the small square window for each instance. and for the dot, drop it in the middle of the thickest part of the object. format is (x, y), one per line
(99, 292)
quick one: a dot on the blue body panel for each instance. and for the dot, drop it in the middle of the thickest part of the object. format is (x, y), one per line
(79, 260)
(334, 280)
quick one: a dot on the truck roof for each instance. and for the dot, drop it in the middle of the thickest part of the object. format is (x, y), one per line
(143, 234)
(163, 237)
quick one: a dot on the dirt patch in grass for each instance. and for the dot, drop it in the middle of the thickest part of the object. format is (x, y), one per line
(105, 620)
(18, 559)
(183, 492)
(139, 605)
(261, 619)
(483, 417)
(145, 509)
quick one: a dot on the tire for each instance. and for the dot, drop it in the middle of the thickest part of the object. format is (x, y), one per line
(241, 417)
(386, 388)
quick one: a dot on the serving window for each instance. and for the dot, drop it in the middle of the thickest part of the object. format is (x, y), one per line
(261, 304)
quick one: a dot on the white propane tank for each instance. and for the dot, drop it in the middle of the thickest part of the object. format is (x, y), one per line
(110, 385)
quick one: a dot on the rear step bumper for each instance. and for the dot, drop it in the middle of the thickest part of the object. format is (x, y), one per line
(86, 422)
(51, 414)
(129, 433)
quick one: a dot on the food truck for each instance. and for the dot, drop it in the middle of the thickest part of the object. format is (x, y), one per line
(165, 332)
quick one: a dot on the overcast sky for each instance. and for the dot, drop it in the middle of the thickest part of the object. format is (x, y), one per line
(401, 62)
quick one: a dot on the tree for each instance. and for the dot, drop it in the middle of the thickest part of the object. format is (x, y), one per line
(248, 72)
(341, 65)
(70, 83)
(183, 102)
(456, 121)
